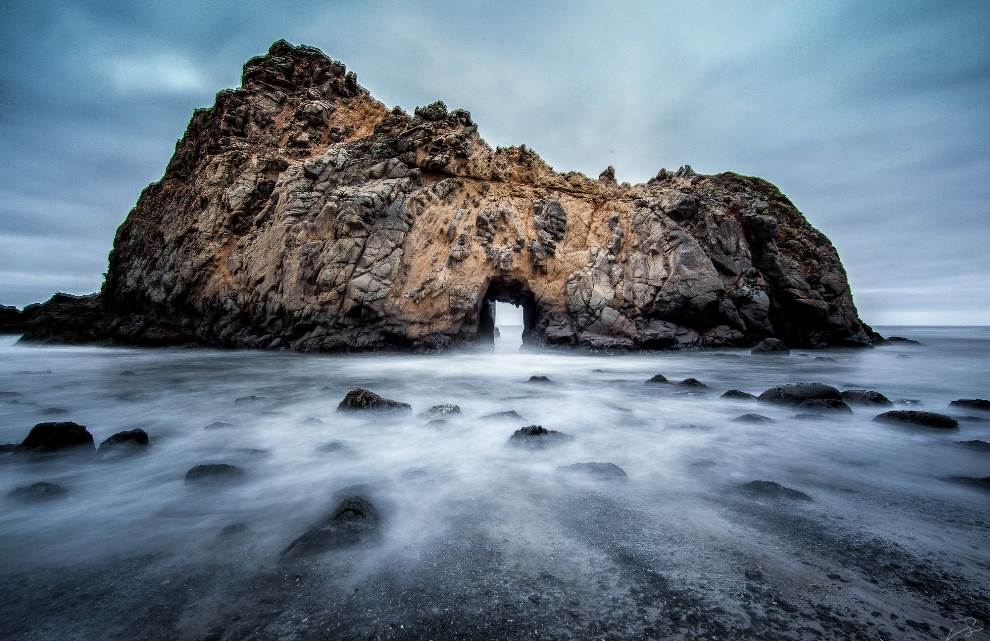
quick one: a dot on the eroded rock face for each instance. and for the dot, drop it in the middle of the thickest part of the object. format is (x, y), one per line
(298, 212)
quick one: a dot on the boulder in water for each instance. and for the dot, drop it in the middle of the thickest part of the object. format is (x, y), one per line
(865, 397)
(362, 399)
(797, 392)
(753, 418)
(919, 418)
(972, 403)
(658, 379)
(133, 441)
(539, 378)
(537, 436)
(37, 492)
(445, 409)
(773, 490)
(981, 446)
(218, 425)
(47, 438)
(210, 473)
(739, 395)
(692, 382)
(504, 416)
(824, 405)
(596, 470)
(901, 340)
(771, 346)
(354, 521)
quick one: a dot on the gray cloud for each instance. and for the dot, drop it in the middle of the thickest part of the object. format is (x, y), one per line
(872, 117)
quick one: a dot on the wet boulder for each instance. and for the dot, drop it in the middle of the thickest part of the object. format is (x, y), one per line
(353, 522)
(824, 405)
(362, 399)
(47, 438)
(865, 397)
(658, 379)
(900, 340)
(692, 382)
(918, 418)
(773, 490)
(972, 403)
(753, 418)
(37, 492)
(445, 409)
(739, 395)
(980, 446)
(539, 379)
(218, 425)
(124, 443)
(771, 346)
(796, 393)
(537, 436)
(595, 470)
(213, 473)
(507, 415)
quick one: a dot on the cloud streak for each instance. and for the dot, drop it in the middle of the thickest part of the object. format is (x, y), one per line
(871, 116)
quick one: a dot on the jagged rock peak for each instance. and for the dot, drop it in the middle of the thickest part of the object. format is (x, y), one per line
(300, 213)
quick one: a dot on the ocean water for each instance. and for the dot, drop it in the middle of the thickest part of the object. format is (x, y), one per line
(483, 540)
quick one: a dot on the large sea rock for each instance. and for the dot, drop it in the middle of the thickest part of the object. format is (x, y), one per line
(298, 212)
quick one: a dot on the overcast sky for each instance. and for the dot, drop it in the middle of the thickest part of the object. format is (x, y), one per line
(873, 117)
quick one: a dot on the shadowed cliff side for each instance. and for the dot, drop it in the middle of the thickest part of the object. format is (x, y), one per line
(298, 212)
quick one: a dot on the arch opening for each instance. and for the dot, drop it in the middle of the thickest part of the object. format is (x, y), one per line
(511, 292)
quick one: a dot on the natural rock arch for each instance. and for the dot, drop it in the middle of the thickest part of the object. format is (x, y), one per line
(516, 292)
(300, 213)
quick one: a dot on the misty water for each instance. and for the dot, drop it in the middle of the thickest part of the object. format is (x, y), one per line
(481, 539)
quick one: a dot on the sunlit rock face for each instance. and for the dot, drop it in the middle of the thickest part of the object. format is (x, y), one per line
(298, 212)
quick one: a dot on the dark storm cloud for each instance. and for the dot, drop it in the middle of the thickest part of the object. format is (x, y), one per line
(872, 117)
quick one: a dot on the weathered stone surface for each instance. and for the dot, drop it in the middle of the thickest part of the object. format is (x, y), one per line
(824, 405)
(972, 403)
(444, 409)
(537, 436)
(11, 320)
(595, 470)
(771, 346)
(797, 393)
(919, 418)
(213, 473)
(353, 522)
(124, 443)
(299, 213)
(739, 395)
(753, 418)
(865, 397)
(362, 399)
(46, 438)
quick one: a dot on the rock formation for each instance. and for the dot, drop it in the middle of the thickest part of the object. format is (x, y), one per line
(300, 213)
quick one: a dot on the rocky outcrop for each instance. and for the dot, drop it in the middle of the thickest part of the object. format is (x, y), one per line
(300, 213)
(11, 320)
